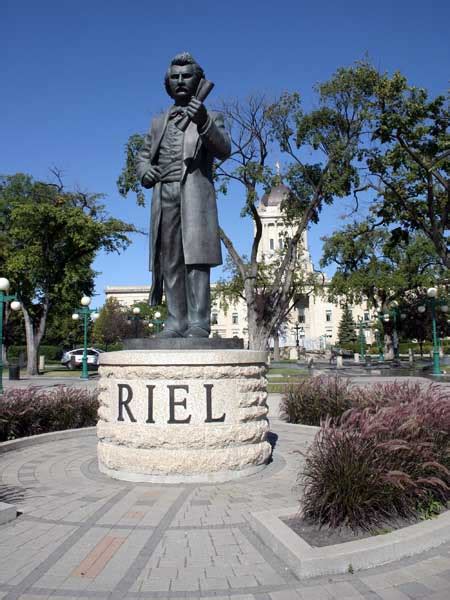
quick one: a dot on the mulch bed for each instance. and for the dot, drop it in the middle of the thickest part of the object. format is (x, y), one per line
(326, 536)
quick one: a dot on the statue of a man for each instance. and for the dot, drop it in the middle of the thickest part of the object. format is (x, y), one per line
(184, 230)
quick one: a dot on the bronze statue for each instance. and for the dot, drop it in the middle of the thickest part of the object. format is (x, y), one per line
(176, 161)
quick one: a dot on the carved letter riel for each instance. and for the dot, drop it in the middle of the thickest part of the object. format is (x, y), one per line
(209, 418)
(123, 404)
(173, 403)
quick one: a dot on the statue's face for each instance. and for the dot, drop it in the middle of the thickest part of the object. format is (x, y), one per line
(183, 83)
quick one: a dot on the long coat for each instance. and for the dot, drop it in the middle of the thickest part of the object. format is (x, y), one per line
(199, 222)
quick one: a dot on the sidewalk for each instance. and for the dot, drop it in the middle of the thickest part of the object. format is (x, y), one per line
(49, 381)
(84, 536)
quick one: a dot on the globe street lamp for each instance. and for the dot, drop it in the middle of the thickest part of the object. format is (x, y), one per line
(136, 318)
(433, 302)
(156, 322)
(297, 330)
(15, 305)
(85, 312)
(302, 336)
(379, 344)
(385, 317)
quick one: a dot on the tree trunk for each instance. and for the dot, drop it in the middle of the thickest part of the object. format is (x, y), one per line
(32, 368)
(34, 338)
(276, 346)
(258, 335)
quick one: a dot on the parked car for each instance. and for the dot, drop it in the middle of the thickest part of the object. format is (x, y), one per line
(73, 359)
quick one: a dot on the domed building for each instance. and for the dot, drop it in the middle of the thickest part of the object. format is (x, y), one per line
(312, 324)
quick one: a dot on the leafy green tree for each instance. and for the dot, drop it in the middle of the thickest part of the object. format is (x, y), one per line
(409, 160)
(347, 328)
(147, 314)
(370, 266)
(52, 237)
(404, 152)
(111, 325)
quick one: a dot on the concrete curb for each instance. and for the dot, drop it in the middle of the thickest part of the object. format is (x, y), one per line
(308, 561)
(43, 438)
(8, 512)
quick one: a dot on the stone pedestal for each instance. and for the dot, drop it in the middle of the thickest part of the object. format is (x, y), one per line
(182, 415)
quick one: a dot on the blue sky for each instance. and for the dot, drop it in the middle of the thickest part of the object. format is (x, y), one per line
(80, 77)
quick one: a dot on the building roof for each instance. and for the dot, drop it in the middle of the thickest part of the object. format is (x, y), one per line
(275, 196)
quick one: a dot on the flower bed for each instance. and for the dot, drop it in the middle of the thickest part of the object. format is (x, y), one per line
(382, 453)
(34, 410)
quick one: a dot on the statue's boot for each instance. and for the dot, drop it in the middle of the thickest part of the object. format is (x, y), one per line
(198, 297)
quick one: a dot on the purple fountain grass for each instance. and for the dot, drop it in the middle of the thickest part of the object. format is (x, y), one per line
(34, 410)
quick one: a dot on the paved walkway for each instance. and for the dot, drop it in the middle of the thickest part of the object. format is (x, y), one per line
(84, 536)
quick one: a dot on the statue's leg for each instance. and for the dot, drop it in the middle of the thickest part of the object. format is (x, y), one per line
(198, 300)
(172, 260)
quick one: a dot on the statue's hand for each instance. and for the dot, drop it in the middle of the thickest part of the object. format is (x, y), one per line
(151, 176)
(197, 112)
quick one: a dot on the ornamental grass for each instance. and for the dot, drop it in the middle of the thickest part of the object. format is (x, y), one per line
(388, 459)
(315, 398)
(34, 410)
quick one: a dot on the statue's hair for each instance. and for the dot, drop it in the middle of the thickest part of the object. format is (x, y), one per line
(182, 59)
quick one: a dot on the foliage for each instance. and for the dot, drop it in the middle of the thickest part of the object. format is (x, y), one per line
(34, 410)
(387, 460)
(347, 328)
(147, 315)
(409, 160)
(128, 180)
(404, 152)
(371, 266)
(315, 398)
(111, 325)
(52, 237)
(50, 352)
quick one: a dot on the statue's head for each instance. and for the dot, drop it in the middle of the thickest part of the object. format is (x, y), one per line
(182, 77)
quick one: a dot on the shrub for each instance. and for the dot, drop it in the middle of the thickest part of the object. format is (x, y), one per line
(34, 410)
(380, 462)
(315, 398)
(50, 352)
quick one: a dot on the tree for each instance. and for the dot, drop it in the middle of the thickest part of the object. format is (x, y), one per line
(347, 328)
(111, 325)
(404, 152)
(258, 127)
(409, 160)
(52, 237)
(372, 267)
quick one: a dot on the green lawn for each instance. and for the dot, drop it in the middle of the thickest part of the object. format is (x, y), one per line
(279, 377)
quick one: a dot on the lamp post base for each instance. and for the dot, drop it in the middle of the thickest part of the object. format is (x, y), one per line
(436, 364)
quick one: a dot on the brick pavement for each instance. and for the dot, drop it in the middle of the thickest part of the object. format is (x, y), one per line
(82, 535)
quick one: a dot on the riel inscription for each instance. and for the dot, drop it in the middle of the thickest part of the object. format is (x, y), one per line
(174, 396)
(182, 415)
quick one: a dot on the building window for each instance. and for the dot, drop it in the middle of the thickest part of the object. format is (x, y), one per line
(366, 316)
(280, 243)
(271, 244)
(301, 318)
(214, 319)
(328, 316)
(234, 318)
